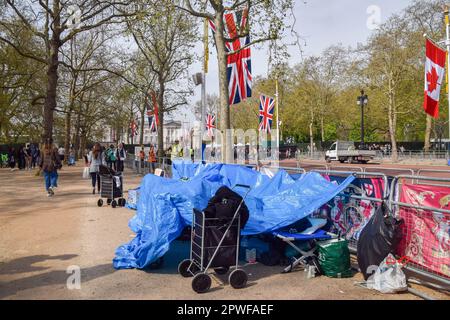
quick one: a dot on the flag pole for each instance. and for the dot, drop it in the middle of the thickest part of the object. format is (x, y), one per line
(278, 119)
(205, 71)
(447, 43)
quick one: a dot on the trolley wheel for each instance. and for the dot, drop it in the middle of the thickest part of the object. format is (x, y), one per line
(221, 270)
(122, 202)
(108, 201)
(201, 283)
(100, 202)
(184, 270)
(114, 203)
(238, 278)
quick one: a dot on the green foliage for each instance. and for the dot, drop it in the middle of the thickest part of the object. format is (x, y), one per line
(321, 91)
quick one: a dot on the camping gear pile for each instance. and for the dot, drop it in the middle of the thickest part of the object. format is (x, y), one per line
(165, 205)
(277, 227)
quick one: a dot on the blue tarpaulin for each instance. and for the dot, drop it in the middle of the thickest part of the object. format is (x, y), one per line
(165, 205)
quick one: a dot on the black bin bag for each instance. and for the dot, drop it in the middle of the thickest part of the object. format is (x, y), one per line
(378, 238)
(224, 205)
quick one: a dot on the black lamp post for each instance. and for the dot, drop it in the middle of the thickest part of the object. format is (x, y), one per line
(362, 101)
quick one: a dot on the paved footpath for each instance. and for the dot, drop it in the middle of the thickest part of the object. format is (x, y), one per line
(41, 237)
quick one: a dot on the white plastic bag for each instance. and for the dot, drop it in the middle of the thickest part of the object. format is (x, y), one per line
(86, 173)
(389, 277)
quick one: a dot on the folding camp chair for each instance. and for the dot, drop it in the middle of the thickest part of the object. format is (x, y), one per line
(289, 238)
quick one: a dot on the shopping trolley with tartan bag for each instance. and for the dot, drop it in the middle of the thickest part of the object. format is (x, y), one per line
(111, 183)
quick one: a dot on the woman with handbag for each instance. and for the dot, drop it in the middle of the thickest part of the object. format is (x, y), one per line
(49, 164)
(95, 159)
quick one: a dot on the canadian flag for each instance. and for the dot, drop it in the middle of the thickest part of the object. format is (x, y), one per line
(434, 75)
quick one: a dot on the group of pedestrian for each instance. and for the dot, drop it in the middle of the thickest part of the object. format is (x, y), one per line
(25, 158)
(385, 149)
(150, 157)
(112, 157)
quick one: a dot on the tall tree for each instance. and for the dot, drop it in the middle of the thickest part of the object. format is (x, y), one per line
(55, 23)
(268, 22)
(425, 17)
(165, 37)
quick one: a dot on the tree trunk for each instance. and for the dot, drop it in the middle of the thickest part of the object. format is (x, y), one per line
(392, 122)
(311, 136)
(83, 139)
(141, 134)
(76, 136)
(427, 134)
(227, 150)
(161, 117)
(67, 134)
(322, 130)
(52, 73)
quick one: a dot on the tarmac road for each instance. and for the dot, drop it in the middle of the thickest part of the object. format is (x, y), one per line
(426, 168)
(40, 238)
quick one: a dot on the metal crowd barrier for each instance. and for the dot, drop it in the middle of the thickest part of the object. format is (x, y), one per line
(144, 167)
(387, 170)
(350, 212)
(424, 255)
(349, 168)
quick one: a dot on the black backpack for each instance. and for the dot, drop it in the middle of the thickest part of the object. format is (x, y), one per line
(224, 204)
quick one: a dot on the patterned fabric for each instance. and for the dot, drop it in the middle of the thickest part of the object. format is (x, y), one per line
(266, 109)
(239, 67)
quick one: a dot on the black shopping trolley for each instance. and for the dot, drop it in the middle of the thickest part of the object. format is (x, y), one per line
(215, 244)
(111, 183)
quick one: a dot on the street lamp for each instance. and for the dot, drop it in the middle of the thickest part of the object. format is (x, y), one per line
(362, 101)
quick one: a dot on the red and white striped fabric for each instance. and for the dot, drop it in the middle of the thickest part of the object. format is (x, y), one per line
(434, 76)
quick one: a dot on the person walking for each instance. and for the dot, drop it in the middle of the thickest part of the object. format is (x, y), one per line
(142, 158)
(49, 165)
(121, 157)
(21, 158)
(95, 160)
(111, 157)
(28, 157)
(61, 153)
(71, 161)
(176, 151)
(12, 158)
(34, 155)
(152, 158)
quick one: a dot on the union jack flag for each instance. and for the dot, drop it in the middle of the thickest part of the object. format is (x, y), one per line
(134, 127)
(210, 124)
(266, 108)
(239, 67)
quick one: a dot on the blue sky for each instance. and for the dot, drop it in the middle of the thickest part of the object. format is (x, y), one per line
(320, 23)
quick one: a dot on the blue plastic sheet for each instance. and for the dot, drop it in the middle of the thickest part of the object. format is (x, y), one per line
(165, 205)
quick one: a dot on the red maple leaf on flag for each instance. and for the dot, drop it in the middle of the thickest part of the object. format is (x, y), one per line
(432, 79)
